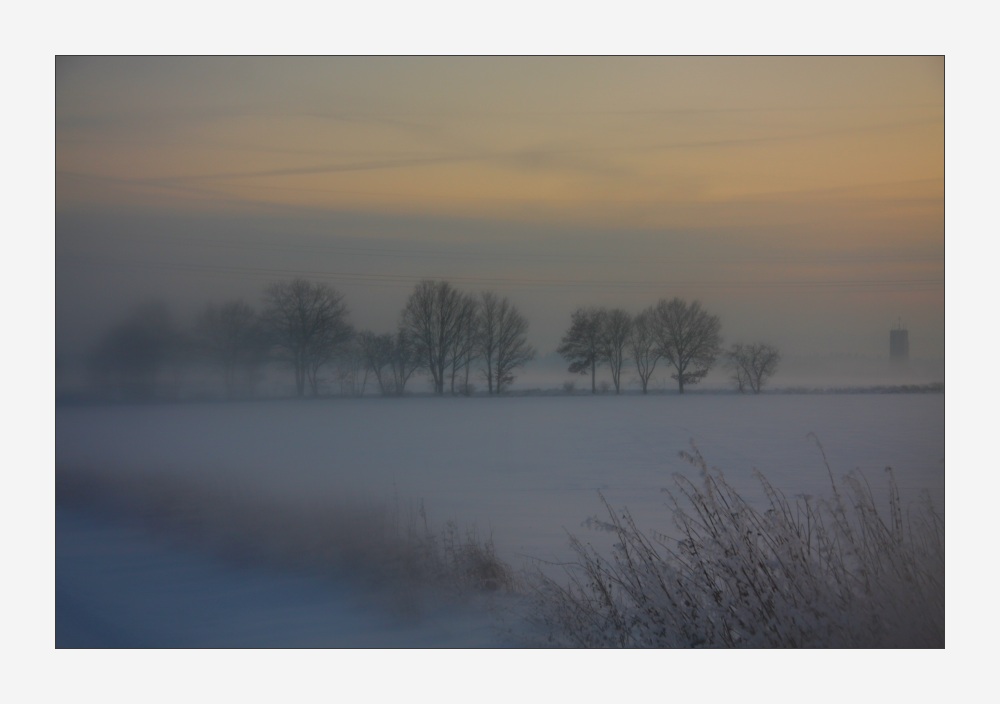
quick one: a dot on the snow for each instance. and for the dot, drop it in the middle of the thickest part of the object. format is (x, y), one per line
(119, 587)
(525, 470)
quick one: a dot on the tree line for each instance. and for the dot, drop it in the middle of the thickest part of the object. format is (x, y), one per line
(452, 337)
(682, 335)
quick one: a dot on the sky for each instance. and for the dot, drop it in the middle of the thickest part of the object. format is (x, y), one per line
(800, 199)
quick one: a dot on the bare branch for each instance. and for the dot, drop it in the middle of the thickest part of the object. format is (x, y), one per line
(688, 338)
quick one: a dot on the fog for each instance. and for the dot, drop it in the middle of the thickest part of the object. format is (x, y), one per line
(812, 225)
(318, 524)
(798, 200)
(108, 264)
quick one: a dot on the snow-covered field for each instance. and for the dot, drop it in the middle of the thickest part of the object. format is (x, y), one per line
(525, 470)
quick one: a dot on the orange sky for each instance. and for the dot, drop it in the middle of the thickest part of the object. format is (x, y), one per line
(614, 138)
(821, 169)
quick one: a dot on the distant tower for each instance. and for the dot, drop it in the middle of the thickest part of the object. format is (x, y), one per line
(899, 343)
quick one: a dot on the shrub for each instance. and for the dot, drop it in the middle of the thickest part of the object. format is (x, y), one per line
(460, 561)
(811, 573)
(472, 562)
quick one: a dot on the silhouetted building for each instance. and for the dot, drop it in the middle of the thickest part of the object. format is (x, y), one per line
(899, 344)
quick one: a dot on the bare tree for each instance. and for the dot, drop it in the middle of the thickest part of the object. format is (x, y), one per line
(308, 324)
(352, 368)
(488, 334)
(688, 338)
(466, 347)
(376, 350)
(403, 361)
(232, 336)
(432, 320)
(391, 358)
(643, 347)
(503, 341)
(752, 365)
(581, 345)
(616, 326)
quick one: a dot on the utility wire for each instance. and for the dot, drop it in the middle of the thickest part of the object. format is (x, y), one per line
(400, 280)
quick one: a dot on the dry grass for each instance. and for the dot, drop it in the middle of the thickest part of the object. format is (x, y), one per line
(809, 573)
(834, 572)
(382, 544)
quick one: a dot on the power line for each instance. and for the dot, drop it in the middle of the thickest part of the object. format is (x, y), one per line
(400, 280)
(561, 257)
